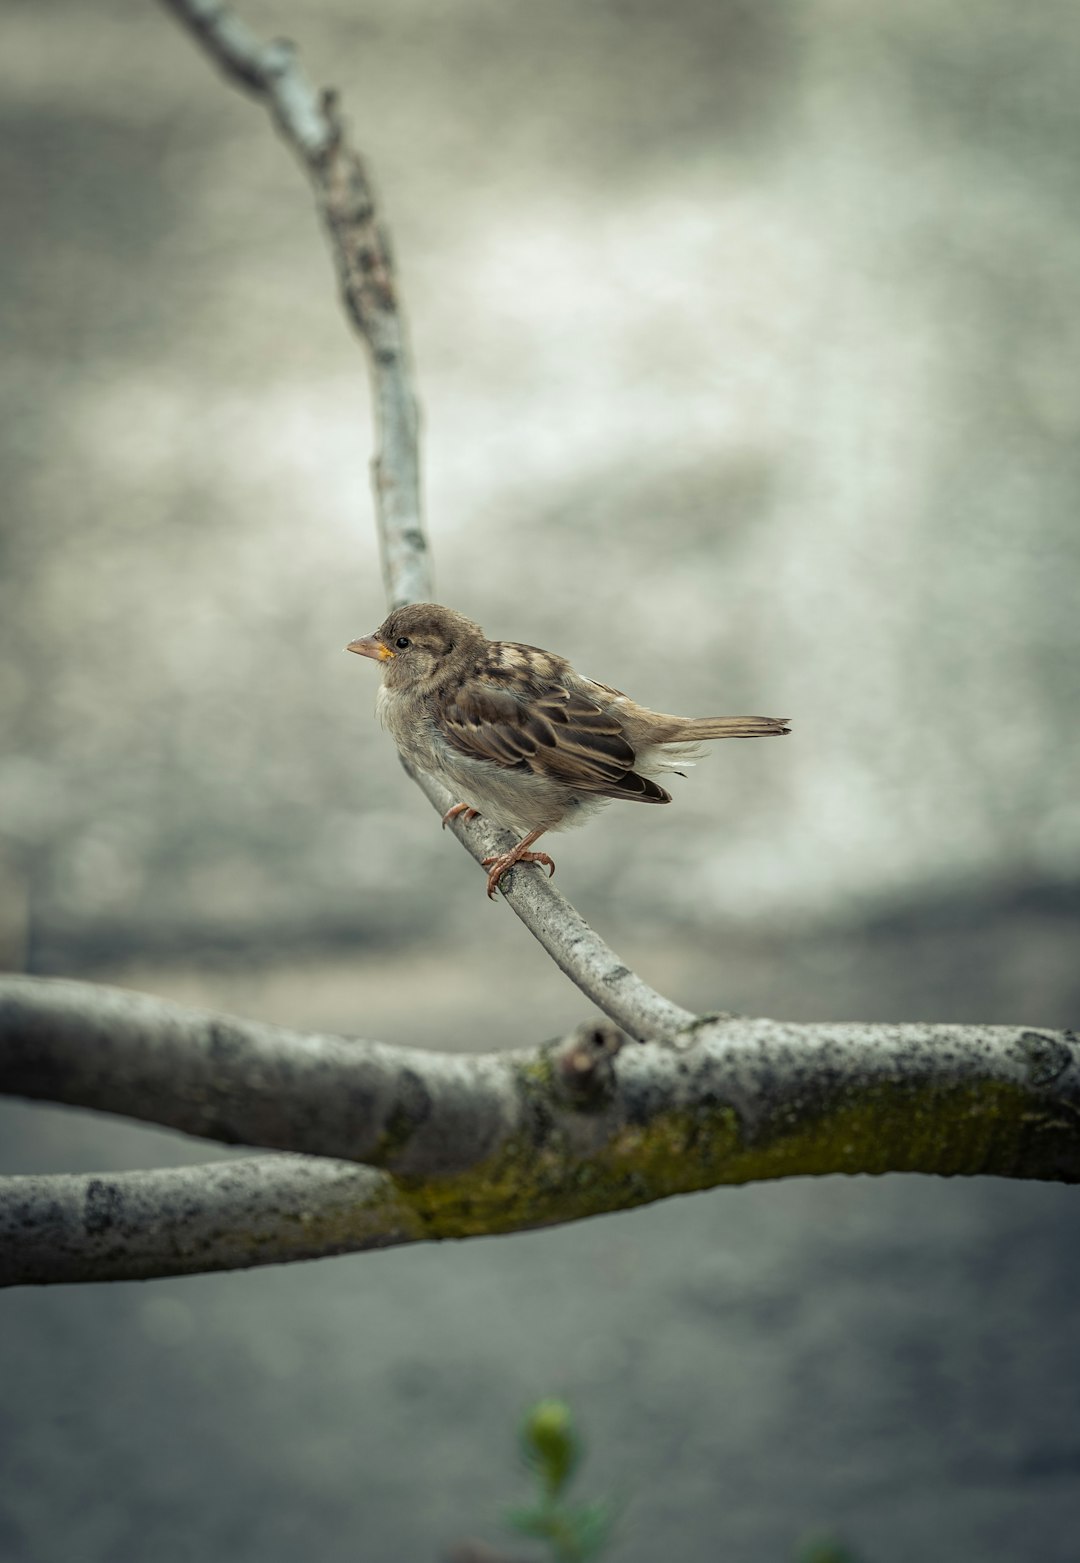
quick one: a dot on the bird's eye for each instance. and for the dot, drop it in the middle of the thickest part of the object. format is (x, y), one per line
(401, 642)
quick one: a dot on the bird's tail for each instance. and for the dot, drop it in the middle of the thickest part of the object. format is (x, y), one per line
(696, 728)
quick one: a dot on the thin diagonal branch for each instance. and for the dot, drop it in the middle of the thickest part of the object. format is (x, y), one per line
(577, 949)
(309, 122)
(480, 1145)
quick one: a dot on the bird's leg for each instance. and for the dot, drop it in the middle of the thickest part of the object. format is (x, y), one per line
(460, 808)
(519, 854)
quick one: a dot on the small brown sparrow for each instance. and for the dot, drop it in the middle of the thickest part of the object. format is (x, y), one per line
(517, 735)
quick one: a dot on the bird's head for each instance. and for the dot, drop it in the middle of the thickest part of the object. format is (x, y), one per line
(419, 644)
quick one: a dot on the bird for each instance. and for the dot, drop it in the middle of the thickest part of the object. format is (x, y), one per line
(517, 735)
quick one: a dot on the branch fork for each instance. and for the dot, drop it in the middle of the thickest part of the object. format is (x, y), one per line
(376, 1146)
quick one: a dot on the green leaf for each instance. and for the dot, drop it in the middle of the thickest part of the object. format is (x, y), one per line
(590, 1525)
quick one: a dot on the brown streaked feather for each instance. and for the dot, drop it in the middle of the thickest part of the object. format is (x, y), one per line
(553, 732)
(638, 789)
(695, 727)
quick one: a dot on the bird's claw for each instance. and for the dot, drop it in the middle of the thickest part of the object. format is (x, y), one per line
(502, 864)
(460, 808)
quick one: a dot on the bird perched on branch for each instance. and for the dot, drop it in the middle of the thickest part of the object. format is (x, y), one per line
(517, 735)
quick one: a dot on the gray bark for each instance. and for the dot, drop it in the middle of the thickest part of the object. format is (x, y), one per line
(463, 1145)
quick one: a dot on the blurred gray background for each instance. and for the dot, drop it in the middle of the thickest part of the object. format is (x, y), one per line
(748, 340)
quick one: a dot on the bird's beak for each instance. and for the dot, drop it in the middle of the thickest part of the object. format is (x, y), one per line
(370, 647)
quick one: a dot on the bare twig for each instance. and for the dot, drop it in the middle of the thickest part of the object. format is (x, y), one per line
(310, 123)
(467, 1146)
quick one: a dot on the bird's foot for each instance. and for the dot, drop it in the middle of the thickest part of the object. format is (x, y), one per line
(460, 808)
(506, 860)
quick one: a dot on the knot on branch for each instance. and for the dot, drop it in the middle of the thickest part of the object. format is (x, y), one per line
(585, 1063)
(1046, 1057)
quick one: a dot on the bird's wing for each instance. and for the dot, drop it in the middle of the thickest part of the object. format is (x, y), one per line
(553, 731)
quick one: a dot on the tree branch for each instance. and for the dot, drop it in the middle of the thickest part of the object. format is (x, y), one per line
(309, 122)
(472, 1145)
(243, 1082)
(452, 1145)
(576, 949)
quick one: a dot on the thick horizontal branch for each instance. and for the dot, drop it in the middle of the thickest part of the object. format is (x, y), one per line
(309, 121)
(487, 1144)
(243, 1082)
(228, 1215)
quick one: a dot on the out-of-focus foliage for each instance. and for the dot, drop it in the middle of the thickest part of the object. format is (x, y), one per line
(552, 1449)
